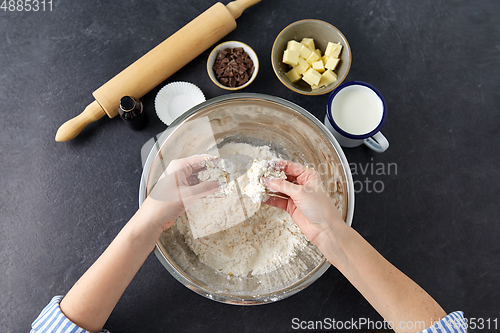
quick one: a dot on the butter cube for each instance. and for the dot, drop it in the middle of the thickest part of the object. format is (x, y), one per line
(291, 57)
(312, 77)
(325, 59)
(293, 75)
(327, 78)
(309, 42)
(305, 52)
(333, 50)
(302, 66)
(293, 45)
(312, 58)
(318, 52)
(315, 86)
(332, 63)
(318, 66)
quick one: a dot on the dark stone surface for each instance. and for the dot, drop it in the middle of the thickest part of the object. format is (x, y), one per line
(436, 62)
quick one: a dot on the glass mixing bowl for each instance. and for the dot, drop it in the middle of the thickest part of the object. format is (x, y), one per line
(293, 134)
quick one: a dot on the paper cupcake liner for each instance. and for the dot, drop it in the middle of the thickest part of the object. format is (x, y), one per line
(176, 98)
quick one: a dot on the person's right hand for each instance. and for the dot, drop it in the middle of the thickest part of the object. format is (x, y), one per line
(308, 203)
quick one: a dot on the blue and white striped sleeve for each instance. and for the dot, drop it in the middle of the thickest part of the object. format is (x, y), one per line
(452, 323)
(52, 320)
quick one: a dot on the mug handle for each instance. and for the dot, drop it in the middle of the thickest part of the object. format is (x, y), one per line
(377, 142)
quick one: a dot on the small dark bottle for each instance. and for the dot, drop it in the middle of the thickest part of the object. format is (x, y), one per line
(130, 111)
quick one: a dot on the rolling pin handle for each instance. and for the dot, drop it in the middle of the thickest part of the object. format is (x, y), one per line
(74, 126)
(237, 7)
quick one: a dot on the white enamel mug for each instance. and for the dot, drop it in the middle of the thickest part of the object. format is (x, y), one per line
(355, 113)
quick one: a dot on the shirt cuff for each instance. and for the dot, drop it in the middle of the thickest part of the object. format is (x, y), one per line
(52, 320)
(452, 323)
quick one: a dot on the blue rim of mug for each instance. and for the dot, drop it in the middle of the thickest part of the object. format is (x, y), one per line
(344, 133)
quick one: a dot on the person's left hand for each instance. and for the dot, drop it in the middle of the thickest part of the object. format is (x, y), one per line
(176, 190)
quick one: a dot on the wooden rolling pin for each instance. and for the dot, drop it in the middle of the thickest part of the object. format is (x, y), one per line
(158, 64)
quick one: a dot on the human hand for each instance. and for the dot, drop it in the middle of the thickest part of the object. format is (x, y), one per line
(176, 190)
(308, 203)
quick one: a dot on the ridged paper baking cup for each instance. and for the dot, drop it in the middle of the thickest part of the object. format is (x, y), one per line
(176, 98)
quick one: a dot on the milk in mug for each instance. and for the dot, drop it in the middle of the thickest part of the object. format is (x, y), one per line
(357, 109)
(354, 115)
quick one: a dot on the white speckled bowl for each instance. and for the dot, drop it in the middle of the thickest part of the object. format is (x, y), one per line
(232, 44)
(292, 133)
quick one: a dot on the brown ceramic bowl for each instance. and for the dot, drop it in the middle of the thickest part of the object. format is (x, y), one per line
(322, 33)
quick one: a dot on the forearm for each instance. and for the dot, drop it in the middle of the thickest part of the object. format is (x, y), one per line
(91, 300)
(395, 296)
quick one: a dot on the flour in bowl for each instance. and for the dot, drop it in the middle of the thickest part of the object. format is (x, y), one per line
(251, 238)
(254, 188)
(238, 169)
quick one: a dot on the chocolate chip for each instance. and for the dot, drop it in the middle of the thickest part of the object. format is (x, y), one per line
(233, 67)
